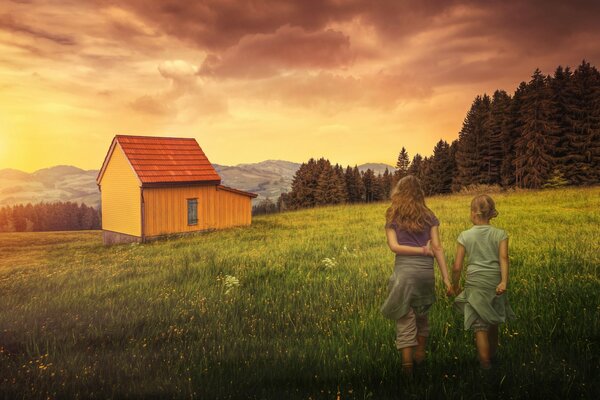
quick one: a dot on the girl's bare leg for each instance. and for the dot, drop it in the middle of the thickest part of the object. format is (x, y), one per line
(407, 360)
(483, 349)
(493, 340)
(420, 349)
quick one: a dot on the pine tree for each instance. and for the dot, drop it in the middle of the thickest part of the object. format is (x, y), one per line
(416, 166)
(483, 139)
(510, 134)
(378, 188)
(340, 194)
(351, 187)
(471, 140)
(563, 112)
(325, 183)
(427, 180)
(452, 163)
(441, 171)
(494, 154)
(368, 178)
(359, 184)
(402, 163)
(304, 185)
(387, 183)
(533, 162)
(584, 143)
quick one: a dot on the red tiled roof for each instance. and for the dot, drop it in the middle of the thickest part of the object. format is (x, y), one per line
(167, 160)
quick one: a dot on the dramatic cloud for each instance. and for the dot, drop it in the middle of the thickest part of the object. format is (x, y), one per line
(178, 71)
(286, 49)
(185, 98)
(257, 78)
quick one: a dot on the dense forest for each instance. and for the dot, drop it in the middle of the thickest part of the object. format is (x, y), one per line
(547, 134)
(48, 217)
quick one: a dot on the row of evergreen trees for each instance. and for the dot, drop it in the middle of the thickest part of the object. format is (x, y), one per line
(546, 134)
(48, 217)
(318, 182)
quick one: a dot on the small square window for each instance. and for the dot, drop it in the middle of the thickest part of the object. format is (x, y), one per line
(192, 211)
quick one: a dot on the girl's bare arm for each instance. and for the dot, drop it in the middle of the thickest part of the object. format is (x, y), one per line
(438, 252)
(458, 265)
(501, 288)
(403, 250)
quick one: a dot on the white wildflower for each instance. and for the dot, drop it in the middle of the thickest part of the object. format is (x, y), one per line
(230, 283)
(329, 262)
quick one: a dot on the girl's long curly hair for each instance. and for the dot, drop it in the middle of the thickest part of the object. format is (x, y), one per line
(408, 209)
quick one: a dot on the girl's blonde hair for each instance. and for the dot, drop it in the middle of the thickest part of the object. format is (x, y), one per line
(408, 209)
(484, 206)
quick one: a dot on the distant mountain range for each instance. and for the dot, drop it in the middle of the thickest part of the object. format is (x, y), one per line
(60, 183)
(67, 183)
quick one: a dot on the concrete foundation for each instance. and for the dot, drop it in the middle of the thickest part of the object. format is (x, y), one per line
(109, 237)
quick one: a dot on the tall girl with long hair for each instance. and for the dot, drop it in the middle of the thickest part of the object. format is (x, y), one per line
(412, 234)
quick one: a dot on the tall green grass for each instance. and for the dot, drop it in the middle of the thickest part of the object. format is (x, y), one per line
(160, 320)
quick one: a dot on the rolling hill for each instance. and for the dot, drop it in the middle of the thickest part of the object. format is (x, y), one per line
(64, 183)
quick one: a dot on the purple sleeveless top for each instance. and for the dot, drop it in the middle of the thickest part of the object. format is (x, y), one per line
(416, 239)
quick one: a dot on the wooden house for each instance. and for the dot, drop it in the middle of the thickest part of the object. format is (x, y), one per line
(155, 186)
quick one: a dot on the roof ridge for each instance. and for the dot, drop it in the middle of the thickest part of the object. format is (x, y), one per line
(155, 137)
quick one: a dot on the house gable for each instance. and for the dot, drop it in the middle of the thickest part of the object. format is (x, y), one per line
(120, 194)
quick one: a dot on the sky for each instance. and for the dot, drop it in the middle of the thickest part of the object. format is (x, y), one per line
(351, 81)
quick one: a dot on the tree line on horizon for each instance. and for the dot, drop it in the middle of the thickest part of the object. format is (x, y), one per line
(547, 134)
(39, 217)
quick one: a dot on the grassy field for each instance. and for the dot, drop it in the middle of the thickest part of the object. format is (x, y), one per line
(167, 319)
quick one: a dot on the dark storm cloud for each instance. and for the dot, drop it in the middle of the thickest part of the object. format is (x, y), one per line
(261, 38)
(217, 24)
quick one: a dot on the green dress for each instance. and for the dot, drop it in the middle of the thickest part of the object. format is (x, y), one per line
(479, 299)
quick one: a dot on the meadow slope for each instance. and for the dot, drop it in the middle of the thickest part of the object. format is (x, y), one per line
(165, 319)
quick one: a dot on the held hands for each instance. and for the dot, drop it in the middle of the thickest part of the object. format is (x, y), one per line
(456, 289)
(501, 288)
(449, 288)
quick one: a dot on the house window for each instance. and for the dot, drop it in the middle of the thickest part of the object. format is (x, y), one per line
(192, 211)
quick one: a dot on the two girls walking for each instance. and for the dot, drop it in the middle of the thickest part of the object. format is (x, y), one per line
(412, 232)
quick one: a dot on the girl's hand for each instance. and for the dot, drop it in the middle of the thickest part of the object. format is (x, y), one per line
(427, 250)
(457, 290)
(501, 288)
(449, 288)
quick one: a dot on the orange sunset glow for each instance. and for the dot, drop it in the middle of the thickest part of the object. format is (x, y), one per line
(352, 81)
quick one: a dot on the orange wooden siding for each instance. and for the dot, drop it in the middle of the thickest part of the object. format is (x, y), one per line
(165, 209)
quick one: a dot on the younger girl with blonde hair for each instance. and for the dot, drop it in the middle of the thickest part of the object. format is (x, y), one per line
(412, 234)
(483, 302)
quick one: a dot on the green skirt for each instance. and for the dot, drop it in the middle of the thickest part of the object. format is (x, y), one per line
(412, 284)
(479, 299)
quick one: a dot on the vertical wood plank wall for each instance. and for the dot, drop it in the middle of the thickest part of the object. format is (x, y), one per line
(165, 209)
